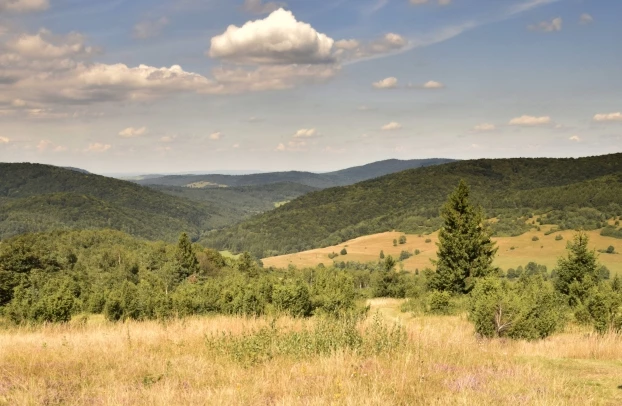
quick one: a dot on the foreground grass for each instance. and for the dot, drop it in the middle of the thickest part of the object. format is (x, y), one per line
(189, 362)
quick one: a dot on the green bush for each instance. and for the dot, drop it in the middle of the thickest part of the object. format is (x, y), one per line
(344, 252)
(439, 303)
(402, 240)
(535, 238)
(292, 298)
(559, 237)
(529, 309)
(404, 255)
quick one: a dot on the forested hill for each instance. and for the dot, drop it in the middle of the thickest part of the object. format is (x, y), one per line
(37, 197)
(316, 180)
(570, 192)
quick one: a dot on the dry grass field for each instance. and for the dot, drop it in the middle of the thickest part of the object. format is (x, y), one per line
(440, 363)
(545, 251)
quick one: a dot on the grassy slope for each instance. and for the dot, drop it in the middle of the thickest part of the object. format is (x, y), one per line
(40, 197)
(546, 251)
(395, 201)
(443, 363)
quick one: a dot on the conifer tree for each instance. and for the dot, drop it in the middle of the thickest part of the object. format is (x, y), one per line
(186, 262)
(579, 272)
(465, 250)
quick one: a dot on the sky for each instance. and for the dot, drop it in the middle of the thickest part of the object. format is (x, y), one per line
(173, 86)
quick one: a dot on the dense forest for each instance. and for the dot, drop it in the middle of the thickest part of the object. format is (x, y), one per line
(342, 177)
(40, 198)
(570, 193)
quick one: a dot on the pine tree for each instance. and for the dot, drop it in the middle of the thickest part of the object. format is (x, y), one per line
(579, 272)
(186, 262)
(465, 250)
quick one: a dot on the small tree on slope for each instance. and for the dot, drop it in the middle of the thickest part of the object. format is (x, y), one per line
(465, 250)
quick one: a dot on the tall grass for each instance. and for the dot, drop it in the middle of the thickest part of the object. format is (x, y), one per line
(429, 360)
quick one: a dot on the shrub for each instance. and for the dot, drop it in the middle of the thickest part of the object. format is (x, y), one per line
(439, 303)
(293, 299)
(333, 255)
(529, 309)
(395, 243)
(417, 252)
(535, 238)
(405, 255)
(610, 250)
(559, 237)
(427, 241)
(402, 240)
(604, 310)
(381, 254)
(344, 252)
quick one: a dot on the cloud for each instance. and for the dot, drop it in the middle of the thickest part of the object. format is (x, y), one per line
(547, 26)
(18, 103)
(293, 145)
(585, 19)
(132, 132)
(433, 85)
(530, 121)
(149, 29)
(276, 77)
(388, 83)
(46, 145)
(391, 126)
(216, 136)
(280, 147)
(4, 140)
(608, 117)
(277, 39)
(23, 6)
(348, 44)
(485, 127)
(45, 45)
(305, 133)
(236, 145)
(575, 138)
(168, 138)
(98, 147)
(259, 7)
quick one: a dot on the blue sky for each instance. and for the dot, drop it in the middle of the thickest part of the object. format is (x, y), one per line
(200, 85)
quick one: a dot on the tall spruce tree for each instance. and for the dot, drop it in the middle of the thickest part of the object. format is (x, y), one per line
(579, 272)
(465, 250)
(186, 262)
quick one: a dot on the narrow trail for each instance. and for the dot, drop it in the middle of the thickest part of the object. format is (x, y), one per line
(389, 309)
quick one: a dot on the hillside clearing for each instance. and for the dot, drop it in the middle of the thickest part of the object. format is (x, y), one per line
(545, 251)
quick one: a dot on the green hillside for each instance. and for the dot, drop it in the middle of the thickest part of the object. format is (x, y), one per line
(315, 180)
(243, 201)
(37, 198)
(571, 193)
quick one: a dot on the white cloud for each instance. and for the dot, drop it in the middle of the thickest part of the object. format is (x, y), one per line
(548, 26)
(277, 39)
(305, 133)
(168, 138)
(47, 145)
(259, 7)
(236, 145)
(216, 136)
(280, 147)
(149, 29)
(388, 83)
(4, 140)
(391, 126)
(348, 44)
(45, 45)
(23, 6)
(575, 138)
(433, 85)
(485, 127)
(18, 103)
(608, 117)
(530, 121)
(132, 132)
(585, 18)
(98, 147)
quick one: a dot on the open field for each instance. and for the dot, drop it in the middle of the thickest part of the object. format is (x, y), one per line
(441, 363)
(546, 251)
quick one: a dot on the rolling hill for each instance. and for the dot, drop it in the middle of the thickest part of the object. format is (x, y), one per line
(37, 197)
(315, 180)
(570, 193)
